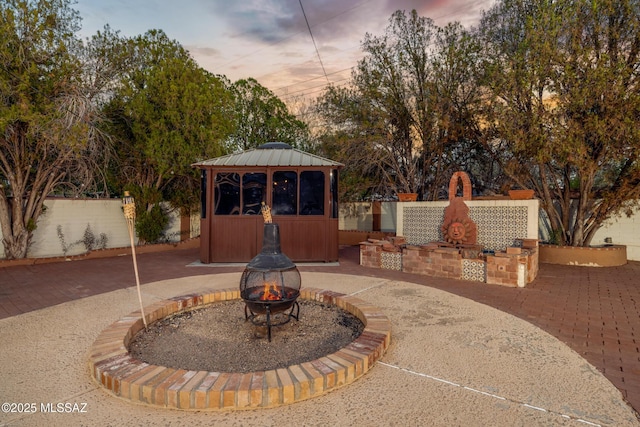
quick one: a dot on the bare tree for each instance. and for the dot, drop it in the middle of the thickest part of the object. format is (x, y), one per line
(408, 119)
(48, 115)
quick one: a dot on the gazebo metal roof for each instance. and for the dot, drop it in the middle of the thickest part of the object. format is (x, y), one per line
(270, 154)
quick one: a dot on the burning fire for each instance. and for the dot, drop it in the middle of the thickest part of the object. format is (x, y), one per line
(271, 292)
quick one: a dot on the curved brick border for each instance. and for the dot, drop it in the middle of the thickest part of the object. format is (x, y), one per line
(129, 378)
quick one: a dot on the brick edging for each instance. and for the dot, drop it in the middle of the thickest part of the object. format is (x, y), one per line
(126, 377)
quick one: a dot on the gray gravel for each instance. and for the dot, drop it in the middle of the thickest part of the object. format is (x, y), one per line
(218, 338)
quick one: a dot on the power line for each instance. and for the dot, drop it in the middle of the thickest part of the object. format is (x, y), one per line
(441, 16)
(312, 90)
(344, 12)
(314, 41)
(292, 35)
(310, 80)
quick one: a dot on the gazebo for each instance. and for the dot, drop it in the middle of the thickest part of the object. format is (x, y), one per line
(300, 188)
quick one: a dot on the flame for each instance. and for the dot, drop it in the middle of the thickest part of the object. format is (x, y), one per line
(271, 292)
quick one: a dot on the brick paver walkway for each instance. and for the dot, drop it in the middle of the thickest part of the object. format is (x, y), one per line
(593, 310)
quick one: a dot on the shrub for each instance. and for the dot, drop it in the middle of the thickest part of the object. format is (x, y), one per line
(150, 225)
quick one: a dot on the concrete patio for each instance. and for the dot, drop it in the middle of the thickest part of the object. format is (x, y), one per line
(461, 354)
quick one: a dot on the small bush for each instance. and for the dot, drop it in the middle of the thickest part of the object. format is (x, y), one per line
(90, 242)
(150, 225)
(88, 239)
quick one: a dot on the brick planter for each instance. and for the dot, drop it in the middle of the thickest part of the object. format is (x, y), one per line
(516, 266)
(128, 378)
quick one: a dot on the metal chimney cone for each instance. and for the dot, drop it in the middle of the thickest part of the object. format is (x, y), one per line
(271, 256)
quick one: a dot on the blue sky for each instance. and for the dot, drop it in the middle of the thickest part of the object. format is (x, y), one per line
(269, 39)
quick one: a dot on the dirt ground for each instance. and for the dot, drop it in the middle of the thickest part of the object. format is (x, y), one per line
(218, 338)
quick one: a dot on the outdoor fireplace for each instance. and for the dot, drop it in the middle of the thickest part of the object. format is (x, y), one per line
(270, 284)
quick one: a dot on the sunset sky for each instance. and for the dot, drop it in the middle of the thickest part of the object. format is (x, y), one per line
(269, 39)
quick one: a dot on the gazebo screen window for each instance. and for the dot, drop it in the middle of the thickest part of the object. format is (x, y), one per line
(227, 194)
(312, 193)
(285, 193)
(253, 194)
(292, 193)
(229, 186)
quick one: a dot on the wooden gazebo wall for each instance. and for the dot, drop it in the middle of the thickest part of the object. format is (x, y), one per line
(238, 237)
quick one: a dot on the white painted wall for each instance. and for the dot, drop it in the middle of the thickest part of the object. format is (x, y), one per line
(389, 220)
(105, 216)
(623, 230)
(355, 216)
(359, 216)
(74, 215)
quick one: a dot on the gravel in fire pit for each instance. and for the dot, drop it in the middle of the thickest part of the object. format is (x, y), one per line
(217, 338)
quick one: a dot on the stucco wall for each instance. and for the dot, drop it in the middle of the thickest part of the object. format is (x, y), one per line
(359, 216)
(356, 216)
(622, 230)
(74, 215)
(105, 216)
(102, 215)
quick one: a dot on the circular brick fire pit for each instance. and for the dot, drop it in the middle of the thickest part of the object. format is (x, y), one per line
(124, 376)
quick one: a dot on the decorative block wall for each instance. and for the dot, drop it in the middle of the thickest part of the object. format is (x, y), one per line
(391, 260)
(422, 224)
(474, 270)
(500, 223)
(498, 226)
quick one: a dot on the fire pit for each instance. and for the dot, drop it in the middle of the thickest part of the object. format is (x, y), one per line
(123, 375)
(270, 284)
